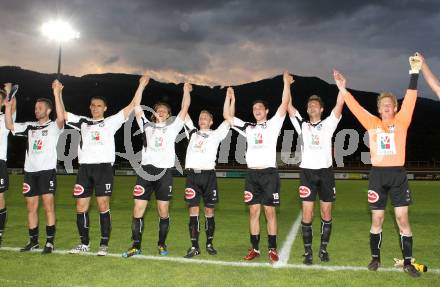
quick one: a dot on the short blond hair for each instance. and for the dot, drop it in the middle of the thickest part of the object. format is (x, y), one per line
(384, 95)
(208, 113)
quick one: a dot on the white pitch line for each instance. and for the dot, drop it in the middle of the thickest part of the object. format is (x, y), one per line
(225, 263)
(288, 243)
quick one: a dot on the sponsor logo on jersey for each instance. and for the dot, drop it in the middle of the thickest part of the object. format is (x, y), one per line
(373, 196)
(158, 142)
(315, 139)
(258, 138)
(26, 188)
(138, 190)
(190, 193)
(38, 145)
(385, 142)
(78, 189)
(248, 196)
(304, 191)
(95, 136)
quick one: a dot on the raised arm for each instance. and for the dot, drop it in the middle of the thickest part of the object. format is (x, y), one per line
(57, 89)
(363, 116)
(409, 101)
(337, 110)
(137, 98)
(285, 100)
(9, 122)
(8, 88)
(429, 76)
(186, 101)
(229, 105)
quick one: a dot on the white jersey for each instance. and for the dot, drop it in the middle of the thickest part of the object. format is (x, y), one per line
(261, 141)
(203, 145)
(159, 142)
(41, 151)
(316, 141)
(97, 144)
(4, 132)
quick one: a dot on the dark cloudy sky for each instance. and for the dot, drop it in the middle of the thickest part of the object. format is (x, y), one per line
(229, 42)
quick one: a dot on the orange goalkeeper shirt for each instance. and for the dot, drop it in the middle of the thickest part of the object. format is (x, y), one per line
(387, 138)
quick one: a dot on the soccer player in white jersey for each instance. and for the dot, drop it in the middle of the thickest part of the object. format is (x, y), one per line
(4, 178)
(40, 163)
(201, 180)
(262, 185)
(316, 173)
(96, 155)
(158, 157)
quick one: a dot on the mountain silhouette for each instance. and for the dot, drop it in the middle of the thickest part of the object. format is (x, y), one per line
(423, 143)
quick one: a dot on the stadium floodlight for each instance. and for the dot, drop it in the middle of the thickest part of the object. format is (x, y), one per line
(61, 32)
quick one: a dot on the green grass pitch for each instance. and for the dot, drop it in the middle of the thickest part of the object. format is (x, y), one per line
(349, 244)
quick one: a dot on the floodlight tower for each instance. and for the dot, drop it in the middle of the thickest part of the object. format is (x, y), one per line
(60, 32)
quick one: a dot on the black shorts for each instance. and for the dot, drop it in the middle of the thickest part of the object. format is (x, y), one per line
(201, 183)
(388, 180)
(4, 177)
(262, 186)
(98, 177)
(319, 182)
(39, 182)
(153, 179)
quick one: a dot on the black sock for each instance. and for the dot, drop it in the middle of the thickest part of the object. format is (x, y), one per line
(50, 233)
(255, 241)
(194, 230)
(210, 229)
(164, 227)
(307, 233)
(272, 241)
(3, 213)
(375, 243)
(33, 235)
(105, 221)
(82, 222)
(406, 243)
(136, 231)
(326, 230)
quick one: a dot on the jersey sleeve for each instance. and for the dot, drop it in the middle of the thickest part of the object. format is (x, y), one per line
(116, 121)
(75, 121)
(21, 129)
(297, 121)
(331, 122)
(240, 126)
(276, 122)
(366, 119)
(407, 109)
(189, 127)
(222, 131)
(177, 125)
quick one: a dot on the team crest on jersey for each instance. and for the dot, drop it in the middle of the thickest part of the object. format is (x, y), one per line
(101, 125)
(138, 190)
(248, 196)
(44, 133)
(373, 196)
(26, 188)
(304, 191)
(78, 189)
(190, 193)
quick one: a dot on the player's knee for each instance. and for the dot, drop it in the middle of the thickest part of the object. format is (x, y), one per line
(209, 212)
